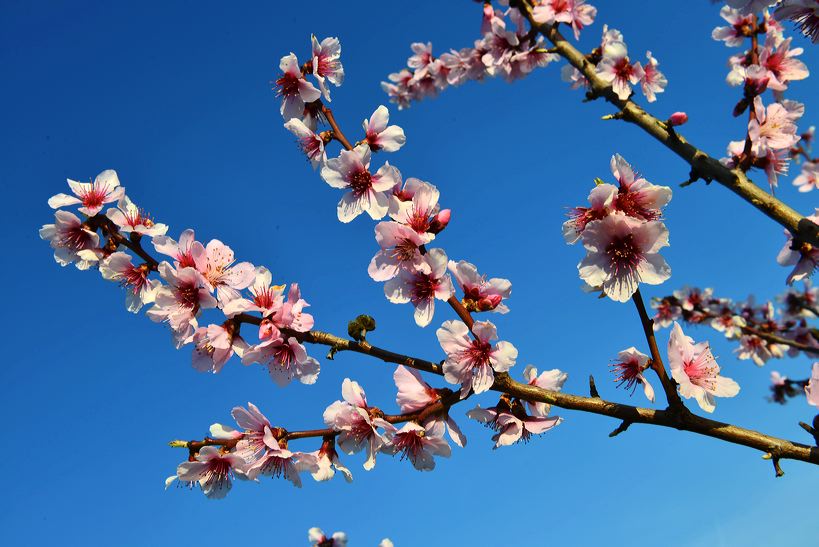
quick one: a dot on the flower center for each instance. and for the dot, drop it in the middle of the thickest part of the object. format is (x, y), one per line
(360, 182)
(623, 254)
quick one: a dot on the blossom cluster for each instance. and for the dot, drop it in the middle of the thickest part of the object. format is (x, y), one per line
(763, 331)
(622, 232)
(317, 538)
(195, 278)
(804, 13)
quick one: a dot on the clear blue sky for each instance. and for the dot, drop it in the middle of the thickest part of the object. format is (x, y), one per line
(176, 98)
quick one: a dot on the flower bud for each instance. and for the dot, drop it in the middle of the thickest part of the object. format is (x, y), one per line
(677, 118)
(440, 221)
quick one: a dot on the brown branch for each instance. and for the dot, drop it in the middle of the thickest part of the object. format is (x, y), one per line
(709, 168)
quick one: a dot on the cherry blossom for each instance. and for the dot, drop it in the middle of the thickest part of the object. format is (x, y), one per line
(805, 13)
(215, 345)
(472, 362)
(601, 200)
(130, 218)
(511, 423)
(213, 470)
(653, 81)
(400, 248)
(804, 258)
(379, 135)
(358, 423)
(735, 34)
(328, 462)
(92, 195)
(480, 294)
(278, 461)
(780, 62)
(422, 286)
(622, 253)
(139, 289)
(419, 445)
(254, 425)
(812, 389)
(291, 314)
(186, 253)
(576, 13)
(317, 538)
(758, 350)
(696, 371)
(309, 142)
(414, 394)
(808, 179)
(772, 126)
(616, 69)
(69, 237)
(636, 196)
(420, 210)
(629, 369)
(284, 357)
(327, 64)
(552, 380)
(294, 89)
(179, 302)
(367, 192)
(222, 275)
(267, 298)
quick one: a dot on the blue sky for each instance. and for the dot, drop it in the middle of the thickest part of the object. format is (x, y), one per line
(176, 98)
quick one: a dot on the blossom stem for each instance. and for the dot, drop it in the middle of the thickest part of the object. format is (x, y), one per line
(708, 167)
(747, 156)
(337, 133)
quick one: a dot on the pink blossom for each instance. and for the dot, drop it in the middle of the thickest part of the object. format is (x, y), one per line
(472, 362)
(212, 470)
(327, 63)
(693, 297)
(317, 538)
(805, 13)
(512, 423)
(214, 346)
(179, 302)
(294, 89)
(139, 289)
(367, 192)
(422, 286)
(421, 58)
(500, 45)
(574, 77)
(551, 380)
(758, 350)
(629, 370)
(379, 135)
(131, 219)
(254, 424)
(808, 179)
(284, 357)
(803, 259)
(729, 323)
(186, 253)
(309, 142)
(781, 63)
(616, 69)
(622, 253)
(328, 462)
(696, 371)
(400, 248)
(92, 196)
(576, 13)
(291, 315)
(222, 275)
(733, 35)
(480, 294)
(653, 81)
(357, 423)
(636, 196)
(812, 389)
(772, 126)
(414, 394)
(267, 298)
(667, 313)
(277, 460)
(601, 204)
(419, 445)
(69, 237)
(420, 210)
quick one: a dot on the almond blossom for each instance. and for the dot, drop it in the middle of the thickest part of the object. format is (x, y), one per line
(804, 258)
(69, 237)
(317, 538)
(222, 275)
(328, 462)
(414, 395)
(284, 357)
(309, 142)
(781, 64)
(267, 298)
(472, 362)
(576, 13)
(422, 286)
(480, 294)
(512, 423)
(357, 423)
(812, 389)
(758, 350)
(379, 135)
(601, 200)
(327, 63)
(629, 370)
(616, 69)
(366, 192)
(622, 253)
(213, 470)
(551, 380)
(92, 195)
(214, 345)
(139, 289)
(696, 371)
(808, 179)
(772, 126)
(179, 302)
(636, 196)
(187, 252)
(131, 219)
(278, 461)
(420, 210)
(653, 81)
(400, 248)
(419, 445)
(294, 89)
(735, 34)
(291, 314)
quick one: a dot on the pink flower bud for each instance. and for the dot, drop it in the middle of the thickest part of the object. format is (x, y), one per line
(677, 118)
(440, 221)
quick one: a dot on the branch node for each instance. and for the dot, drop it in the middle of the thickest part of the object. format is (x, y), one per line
(777, 468)
(178, 444)
(593, 388)
(616, 116)
(811, 431)
(620, 428)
